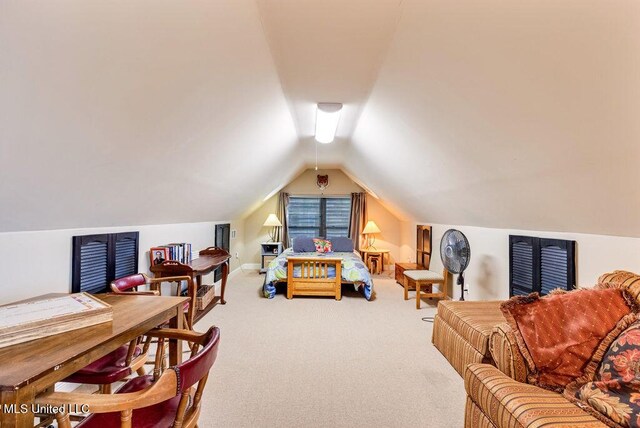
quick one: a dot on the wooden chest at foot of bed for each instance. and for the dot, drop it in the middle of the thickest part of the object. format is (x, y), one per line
(314, 279)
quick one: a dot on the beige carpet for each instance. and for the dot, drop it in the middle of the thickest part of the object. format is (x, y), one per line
(317, 362)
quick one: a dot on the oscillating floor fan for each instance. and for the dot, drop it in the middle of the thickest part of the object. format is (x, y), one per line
(455, 253)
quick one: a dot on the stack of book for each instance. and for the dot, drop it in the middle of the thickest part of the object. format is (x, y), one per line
(180, 252)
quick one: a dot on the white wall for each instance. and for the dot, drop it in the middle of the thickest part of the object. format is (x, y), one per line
(488, 274)
(34, 263)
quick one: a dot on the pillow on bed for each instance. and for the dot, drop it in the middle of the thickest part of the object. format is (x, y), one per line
(303, 244)
(342, 245)
(322, 245)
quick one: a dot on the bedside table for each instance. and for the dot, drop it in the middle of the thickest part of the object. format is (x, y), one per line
(269, 250)
(370, 251)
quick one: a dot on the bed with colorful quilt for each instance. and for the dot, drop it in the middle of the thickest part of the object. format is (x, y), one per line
(308, 272)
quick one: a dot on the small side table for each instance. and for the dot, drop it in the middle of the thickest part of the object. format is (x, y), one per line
(269, 250)
(370, 251)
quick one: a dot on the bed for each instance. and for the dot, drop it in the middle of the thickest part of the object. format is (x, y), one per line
(314, 274)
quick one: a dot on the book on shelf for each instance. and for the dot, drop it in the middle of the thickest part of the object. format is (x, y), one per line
(177, 251)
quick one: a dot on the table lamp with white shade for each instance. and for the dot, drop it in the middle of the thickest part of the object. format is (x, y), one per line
(273, 222)
(369, 230)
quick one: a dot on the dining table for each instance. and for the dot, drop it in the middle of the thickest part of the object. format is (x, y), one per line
(29, 368)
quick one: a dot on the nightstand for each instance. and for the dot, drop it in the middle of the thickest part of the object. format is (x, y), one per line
(268, 252)
(371, 251)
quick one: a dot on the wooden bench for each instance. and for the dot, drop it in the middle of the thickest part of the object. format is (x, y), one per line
(426, 278)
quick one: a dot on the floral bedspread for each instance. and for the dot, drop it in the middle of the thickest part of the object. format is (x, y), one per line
(353, 270)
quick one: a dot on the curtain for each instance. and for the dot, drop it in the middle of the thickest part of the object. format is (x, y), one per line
(359, 217)
(282, 233)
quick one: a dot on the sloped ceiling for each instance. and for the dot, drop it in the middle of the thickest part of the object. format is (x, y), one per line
(328, 51)
(509, 114)
(137, 112)
(492, 113)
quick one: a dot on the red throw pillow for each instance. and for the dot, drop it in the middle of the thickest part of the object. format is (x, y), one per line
(559, 334)
(322, 245)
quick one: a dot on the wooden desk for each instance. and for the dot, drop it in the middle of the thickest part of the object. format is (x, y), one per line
(29, 368)
(369, 251)
(209, 260)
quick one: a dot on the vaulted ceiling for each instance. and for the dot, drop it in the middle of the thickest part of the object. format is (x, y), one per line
(491, 113)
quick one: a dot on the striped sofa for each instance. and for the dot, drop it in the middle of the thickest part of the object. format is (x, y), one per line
(461, 331)
(498, 396)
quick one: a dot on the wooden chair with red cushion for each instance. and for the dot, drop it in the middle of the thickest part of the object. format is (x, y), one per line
(169, 399)
(114, 367)
(127, 359)
(129, 285)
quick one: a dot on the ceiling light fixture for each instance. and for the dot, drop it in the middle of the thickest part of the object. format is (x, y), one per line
(327, 118)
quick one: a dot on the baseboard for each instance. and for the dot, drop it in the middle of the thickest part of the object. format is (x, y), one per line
(250, 266)
(234, 272)
(231, 274)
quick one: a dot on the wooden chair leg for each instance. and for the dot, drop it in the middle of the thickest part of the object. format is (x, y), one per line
(141, 371)
(186, 322)
(105, 389)
(418, 286)
(405, 282)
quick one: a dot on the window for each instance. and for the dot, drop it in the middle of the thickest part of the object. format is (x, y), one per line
(540, 265)
(322, 217)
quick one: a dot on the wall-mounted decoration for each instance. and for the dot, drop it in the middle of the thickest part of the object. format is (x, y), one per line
(322, 181)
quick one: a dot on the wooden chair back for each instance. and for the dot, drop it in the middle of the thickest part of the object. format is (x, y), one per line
(130, 284)
(174, 381)
(127, 283)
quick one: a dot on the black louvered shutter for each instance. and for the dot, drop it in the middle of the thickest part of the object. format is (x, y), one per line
(540, 265)
(523, 275)
(99, 259)
(90, 263)
(557, 265)
(126, 254)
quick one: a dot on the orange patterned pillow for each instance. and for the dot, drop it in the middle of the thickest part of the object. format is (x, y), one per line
(558, 334)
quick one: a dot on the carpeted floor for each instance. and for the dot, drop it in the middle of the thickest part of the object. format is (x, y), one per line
(317, 362)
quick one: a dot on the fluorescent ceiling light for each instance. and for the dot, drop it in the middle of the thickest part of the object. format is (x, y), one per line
(327, 118)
